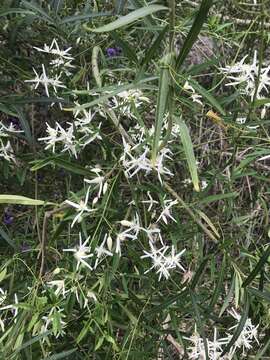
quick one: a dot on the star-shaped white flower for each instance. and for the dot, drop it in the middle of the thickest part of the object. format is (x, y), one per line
(81, 253)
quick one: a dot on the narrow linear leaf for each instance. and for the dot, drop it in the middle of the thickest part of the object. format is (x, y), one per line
(6, 237)
(206, 95)
(154, 47)
(239, 328)
(119, 6)
(15, 11)
(70, 166)
(162, 100)
(208, 221)
(260, 354)
(258, 267)
(137, 85)
(219, 285)
(32, 341)
(199, 273)
(127, 49)
(188, 149)
(265, 295)
(194, 31)
(199, 322)
(218, 197)
(37, 10)
(17, 199)
(128, 19)
(61, 355)
(79, 18)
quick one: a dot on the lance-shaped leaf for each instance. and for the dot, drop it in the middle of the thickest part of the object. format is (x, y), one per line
(17, 199)
(128, 19)
(163, 93)
(189, 152)
(194, 31)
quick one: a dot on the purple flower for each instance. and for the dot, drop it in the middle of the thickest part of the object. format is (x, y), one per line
(8, 218)
(112, 52)
(25, 248)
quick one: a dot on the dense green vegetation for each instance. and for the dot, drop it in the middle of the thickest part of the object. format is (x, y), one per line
(134, 179)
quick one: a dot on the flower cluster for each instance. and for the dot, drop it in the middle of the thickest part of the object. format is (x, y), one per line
(216, 347)
(251, 79)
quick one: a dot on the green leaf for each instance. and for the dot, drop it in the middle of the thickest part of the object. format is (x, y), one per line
(219, 285)
(77, 18)
(17, 199)
(194, 31)
(258, 267)
(154, 47)
(265, 295)
(188, 149)
(239, 328)
(71, 166)
(128, 19)
(15, 11)
(136, 85)
(127, 49)
(218, 197)
(206, 95)
(31, 342)
(61, 355)
(25, 125)
(199, 323)
(6, 237)
(3, 274)
(163, 93)
(37, 10)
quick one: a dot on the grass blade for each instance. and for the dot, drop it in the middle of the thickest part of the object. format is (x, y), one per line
(127, 49)
(194, 31)
(61, 355)
(258, 267)
(6, 237)
(16, 11)
(77, 18)
(239, 328)
(163, 93)
(188, 149)
(128, 19)
(21, 200)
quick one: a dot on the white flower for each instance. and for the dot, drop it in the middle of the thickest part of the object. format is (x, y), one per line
(13, 307)
(198, 351)
(100, 181)
(151, 201)
(57, 326)
(166, 214)
(163, 263)
(101, 251)
(6, 151)
(133, 228)
(44, 80)
(194, 96)
(136, 164)
(247, 76)
(59, 135)
(248, 334)
(3, 296)
(59, 286)
(81, 253)
(159, 164)
(55, 50)
(204, 184)
(81, 207)
(128, 98)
